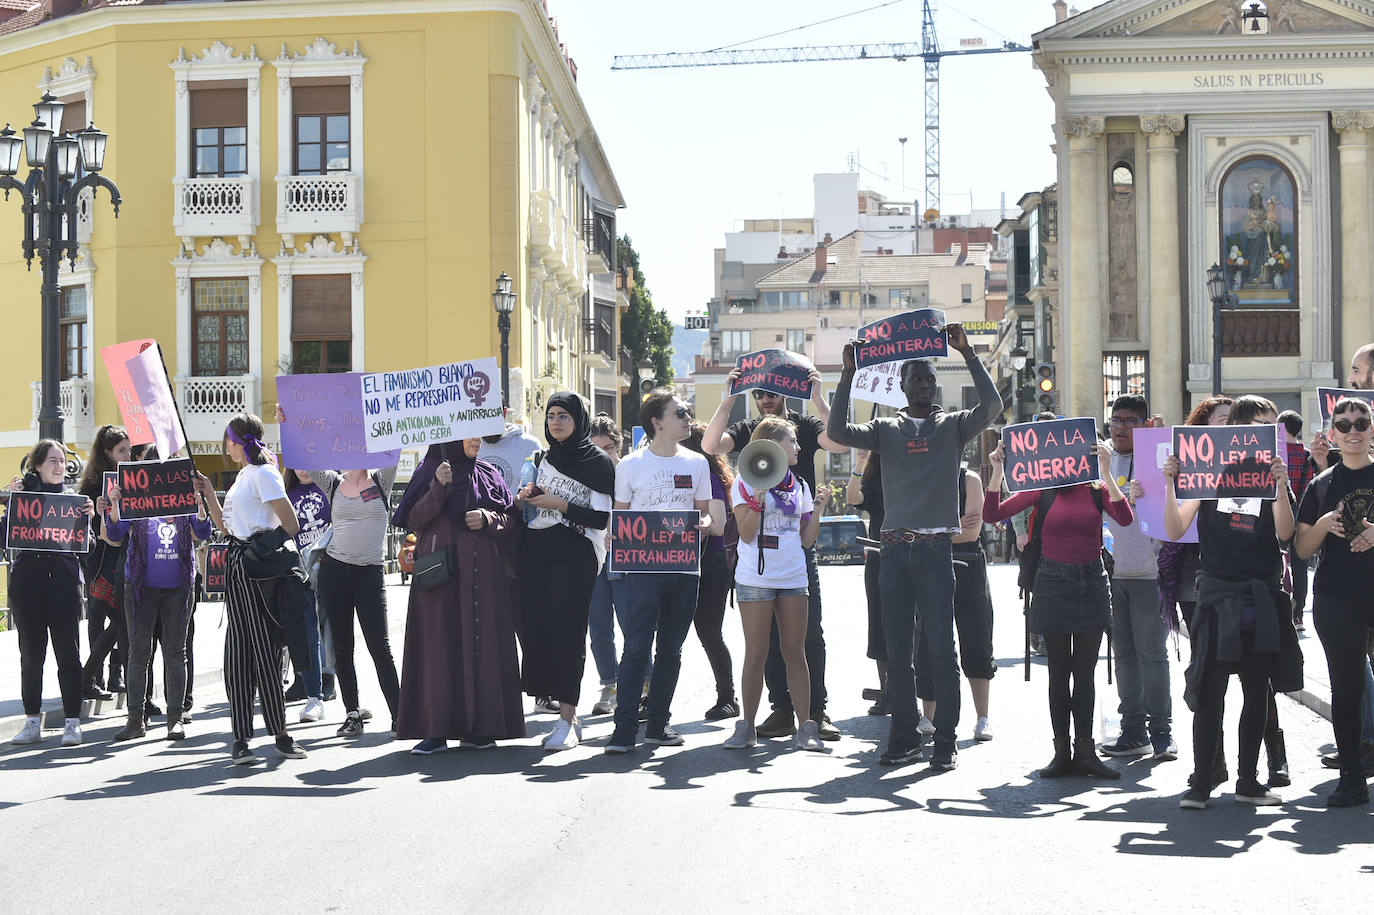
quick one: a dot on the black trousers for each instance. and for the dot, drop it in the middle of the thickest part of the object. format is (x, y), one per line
(346, 590)
(1253, 671)
(712, 593)
(105, 641)
(557, 574)
(45, 599)
(1342, 625)
(1072, 656)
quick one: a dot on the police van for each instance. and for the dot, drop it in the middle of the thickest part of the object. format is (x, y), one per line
(838, 544)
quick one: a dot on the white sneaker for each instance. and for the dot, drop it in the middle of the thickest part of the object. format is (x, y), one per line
(314, 709)
(606, 704)
(743, 737)
(808, 737)
(925, 726)
(32, 733)
(564, 736)
(982, 730)
(71, 734)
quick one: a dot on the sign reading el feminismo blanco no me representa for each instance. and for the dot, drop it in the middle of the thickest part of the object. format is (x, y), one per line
(441, 403)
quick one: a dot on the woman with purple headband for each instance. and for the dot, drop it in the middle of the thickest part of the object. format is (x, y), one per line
(255, 504)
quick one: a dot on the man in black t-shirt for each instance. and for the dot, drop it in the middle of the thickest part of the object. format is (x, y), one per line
(811, 439)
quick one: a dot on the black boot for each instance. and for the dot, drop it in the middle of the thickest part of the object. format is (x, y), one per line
(1085, 761)
(296, 691)
(1062, 764)
(1277, 755)
(1350, 791)
(327, 693)
(93, 690)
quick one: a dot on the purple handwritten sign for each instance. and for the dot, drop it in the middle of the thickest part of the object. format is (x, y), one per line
(323, 429)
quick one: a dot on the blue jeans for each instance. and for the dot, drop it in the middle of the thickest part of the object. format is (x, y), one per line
(917, 580)
(661, 604)
(775, 669)
(1140, 643)
(607, 595)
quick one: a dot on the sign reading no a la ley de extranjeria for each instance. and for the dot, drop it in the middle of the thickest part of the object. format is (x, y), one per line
(417, 408)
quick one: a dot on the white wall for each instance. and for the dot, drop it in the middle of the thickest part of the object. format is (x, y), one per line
(837, 204)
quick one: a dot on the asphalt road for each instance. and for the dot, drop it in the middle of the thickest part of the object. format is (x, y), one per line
(362, 825)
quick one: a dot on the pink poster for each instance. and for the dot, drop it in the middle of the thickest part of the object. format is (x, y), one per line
(1152, 447)
(130, 410)
(148, 378)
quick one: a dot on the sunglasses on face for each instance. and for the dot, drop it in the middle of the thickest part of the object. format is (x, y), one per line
(1345, 425)
(682, 413)
(760, 395)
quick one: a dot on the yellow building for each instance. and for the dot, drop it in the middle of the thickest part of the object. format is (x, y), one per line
(313, 186)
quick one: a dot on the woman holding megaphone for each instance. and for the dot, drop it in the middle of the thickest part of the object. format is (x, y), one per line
(778, 520)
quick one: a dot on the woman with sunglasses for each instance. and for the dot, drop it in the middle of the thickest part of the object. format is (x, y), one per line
(562, 553)
(1243, 623)
(45, 599)
(1337, 518)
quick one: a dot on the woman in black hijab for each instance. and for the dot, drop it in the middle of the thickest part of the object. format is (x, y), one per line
(566, 494)
(460, 679)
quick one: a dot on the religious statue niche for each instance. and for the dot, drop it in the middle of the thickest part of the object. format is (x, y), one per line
(1258, 233)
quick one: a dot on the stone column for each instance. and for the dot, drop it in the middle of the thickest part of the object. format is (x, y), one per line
(1082, 314)
(1166, 338)
(1357, 233)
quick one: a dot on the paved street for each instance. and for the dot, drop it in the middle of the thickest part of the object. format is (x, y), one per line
(362, 825)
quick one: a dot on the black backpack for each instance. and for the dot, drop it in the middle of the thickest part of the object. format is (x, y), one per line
(1030, 556)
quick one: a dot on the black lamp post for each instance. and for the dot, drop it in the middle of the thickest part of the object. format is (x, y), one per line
(50, 195)
(1217, 291)
(503, 300)
(1018, 364)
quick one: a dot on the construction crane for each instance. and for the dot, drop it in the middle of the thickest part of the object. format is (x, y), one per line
(928, 50)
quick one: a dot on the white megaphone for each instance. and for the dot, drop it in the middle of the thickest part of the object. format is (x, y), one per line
(762, 464)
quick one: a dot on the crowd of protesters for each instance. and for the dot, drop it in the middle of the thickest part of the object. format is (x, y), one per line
(511, 580)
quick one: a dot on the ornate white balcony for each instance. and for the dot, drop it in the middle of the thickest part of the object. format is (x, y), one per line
(76, 396)
(208, 402)
(204, 207)
(320, 204)
(541, 222)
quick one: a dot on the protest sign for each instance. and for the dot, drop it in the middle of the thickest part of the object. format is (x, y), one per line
(422, 407)
(1327, 397)
(1151, 448)
(216, 568)
(915, 334)
(1224, 462)
(881, 383)
(1050, 453)
(130, 409)
(649, 541)
(148, 375)
(153, 489)
(324, 428)
(778, 370)
(110, 481)
(49, 522)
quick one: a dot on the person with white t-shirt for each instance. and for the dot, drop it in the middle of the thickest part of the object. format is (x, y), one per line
(664, 476)
(255, 504)
(775, 529)
(569, 494)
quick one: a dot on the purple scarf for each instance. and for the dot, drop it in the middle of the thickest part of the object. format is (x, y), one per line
(476, 484)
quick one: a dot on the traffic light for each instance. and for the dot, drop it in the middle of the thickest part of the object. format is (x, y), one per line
(1043, 378)
(645, 386)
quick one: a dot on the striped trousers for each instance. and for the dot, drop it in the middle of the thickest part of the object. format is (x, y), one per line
(252, 650)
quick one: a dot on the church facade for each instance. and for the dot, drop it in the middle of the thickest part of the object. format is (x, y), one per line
(1194, 133)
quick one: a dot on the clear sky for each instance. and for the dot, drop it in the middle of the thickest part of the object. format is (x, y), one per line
(697, 150)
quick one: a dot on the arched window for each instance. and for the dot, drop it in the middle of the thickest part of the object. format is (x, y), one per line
(1259, 233)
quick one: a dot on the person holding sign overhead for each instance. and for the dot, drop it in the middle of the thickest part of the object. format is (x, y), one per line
(664, 476)
(921, 444)
(159, 581)
(1071, 604)
(1243, 622)
(255, 505)
(562, 554)
(775, 526)
(45, 599)
(1337, 518)
(811, 439)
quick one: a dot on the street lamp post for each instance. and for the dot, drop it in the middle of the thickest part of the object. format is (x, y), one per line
(503, 300)
(50, 194)
(1018, 363)
(1217, 291)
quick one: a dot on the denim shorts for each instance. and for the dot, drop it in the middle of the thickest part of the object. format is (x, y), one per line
(751, 593)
